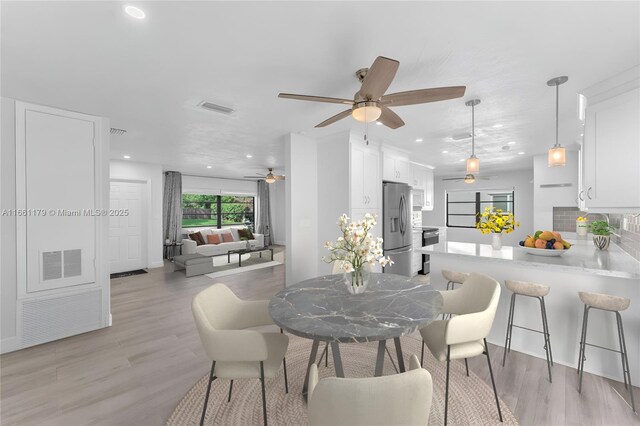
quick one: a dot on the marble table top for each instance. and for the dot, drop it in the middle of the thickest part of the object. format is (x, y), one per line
(321, 308)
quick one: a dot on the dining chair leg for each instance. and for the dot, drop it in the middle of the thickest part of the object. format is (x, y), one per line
(509, 321)
(206, 398)
(545, 333)
(286, 380)
(546, 321)
(466, 366)
(446, 388)
(422, 355)
(230, 390)
(493, 382)
(264, 397)
(584, 347)
(626, 357)
(326, 358)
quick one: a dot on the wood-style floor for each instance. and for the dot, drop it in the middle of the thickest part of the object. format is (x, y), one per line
(135, 372)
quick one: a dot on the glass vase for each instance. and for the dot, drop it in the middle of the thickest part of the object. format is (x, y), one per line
(496, 241)
(356, 281)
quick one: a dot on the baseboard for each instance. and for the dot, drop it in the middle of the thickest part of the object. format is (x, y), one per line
(9, 344)
(159, 264)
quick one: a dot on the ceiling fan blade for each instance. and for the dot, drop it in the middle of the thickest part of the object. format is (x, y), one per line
(454, 179)
(335, 118)
(254, 177)
(279, 177)
(390, 118)
(315, 98)
(378, 78)
(423, 96)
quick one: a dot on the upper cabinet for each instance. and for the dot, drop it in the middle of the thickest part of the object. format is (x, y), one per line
(365, 177)
(422, 183)
(395, 166)
(611, 151)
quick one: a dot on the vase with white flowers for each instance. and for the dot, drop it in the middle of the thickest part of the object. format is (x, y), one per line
(356, 251)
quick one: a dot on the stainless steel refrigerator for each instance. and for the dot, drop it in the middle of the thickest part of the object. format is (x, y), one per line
(396, 227)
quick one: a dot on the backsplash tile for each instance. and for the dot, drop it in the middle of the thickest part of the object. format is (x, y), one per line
(627, 233)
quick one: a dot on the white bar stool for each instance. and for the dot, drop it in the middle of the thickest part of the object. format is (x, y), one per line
(609, 303)
(537, 291)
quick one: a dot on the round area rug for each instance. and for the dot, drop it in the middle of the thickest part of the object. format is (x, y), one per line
(471, 400)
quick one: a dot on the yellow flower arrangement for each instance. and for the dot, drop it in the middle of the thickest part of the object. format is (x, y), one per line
(496, 221)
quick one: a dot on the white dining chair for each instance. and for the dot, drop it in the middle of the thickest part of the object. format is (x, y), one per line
(236, 352)
(398, 399)
(464, 335)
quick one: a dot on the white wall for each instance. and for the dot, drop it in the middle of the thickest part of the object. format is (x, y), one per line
(277, 210)
(153, 175)
(218, 186)
(545, 199)
(520, 180)
(8, 271)
(301, 208)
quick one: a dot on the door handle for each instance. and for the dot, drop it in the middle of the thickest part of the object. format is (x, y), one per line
(589, 193)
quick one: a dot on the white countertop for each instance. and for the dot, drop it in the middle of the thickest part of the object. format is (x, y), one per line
(582, 257)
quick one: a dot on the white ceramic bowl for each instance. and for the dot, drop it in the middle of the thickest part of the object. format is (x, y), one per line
(543, 252)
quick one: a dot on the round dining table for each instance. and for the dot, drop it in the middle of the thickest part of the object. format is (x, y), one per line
(322, 309)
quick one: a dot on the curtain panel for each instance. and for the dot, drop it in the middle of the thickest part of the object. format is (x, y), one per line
(172, 206)
(263, 216)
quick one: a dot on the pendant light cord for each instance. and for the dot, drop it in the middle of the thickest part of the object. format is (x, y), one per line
(473, 131)
(557, 108)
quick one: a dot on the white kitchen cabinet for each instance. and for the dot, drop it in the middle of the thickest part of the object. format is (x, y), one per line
(422, 184)
(395, 166)
(418, 176)
(611, 154)
(364, 177)
(428, 190)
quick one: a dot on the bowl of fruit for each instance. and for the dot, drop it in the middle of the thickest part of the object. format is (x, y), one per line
(545, 243)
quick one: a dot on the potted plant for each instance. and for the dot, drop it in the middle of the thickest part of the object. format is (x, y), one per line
(494, 221)
(356, 250)
(601, 234)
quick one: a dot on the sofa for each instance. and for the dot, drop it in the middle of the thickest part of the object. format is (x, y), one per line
(191, 247)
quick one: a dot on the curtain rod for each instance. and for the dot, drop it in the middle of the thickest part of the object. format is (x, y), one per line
(215, 177)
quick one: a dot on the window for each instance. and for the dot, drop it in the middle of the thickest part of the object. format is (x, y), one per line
(463, 207)
(200, 210)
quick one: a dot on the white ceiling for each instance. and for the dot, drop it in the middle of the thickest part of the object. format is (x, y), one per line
(148, 75)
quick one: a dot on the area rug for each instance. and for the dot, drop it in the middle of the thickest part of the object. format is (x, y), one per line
(471, 400)
(250, 262)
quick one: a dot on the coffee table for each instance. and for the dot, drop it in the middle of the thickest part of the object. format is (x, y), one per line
(240, 252)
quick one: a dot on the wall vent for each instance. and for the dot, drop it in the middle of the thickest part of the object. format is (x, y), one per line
(117, 132)
(72, 263)
(56, 264)
(209, 106)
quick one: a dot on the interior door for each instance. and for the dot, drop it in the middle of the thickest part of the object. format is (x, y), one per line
(127, 232)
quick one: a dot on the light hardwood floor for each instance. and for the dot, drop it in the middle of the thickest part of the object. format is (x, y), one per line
(135, 372)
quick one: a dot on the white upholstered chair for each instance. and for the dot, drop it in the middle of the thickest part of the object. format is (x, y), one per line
(399, 399)
(223, 323)
(464, 335)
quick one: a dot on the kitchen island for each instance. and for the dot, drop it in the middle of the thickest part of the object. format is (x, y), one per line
(582, 268)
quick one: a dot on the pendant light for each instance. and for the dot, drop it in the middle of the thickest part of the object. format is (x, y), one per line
(473, 163)
(557, 153)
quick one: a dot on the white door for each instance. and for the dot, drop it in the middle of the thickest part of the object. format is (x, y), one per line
(127, 231)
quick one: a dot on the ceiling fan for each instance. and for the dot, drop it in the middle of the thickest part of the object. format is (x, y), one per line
(470, 178)
(269, 177)
(370, 102)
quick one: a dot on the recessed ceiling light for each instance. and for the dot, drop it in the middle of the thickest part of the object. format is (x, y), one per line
(497, 126)
(134, 12)
(444, 152)
(581, 134)
(511, 143)
(378, 123)
(419, 140)
(208, 167)
(521, 153)
(126, 157)
(249, 156)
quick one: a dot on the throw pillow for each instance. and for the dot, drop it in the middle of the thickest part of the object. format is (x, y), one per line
(246, 234)
(227, 237)
(213, 239)
(197, 237)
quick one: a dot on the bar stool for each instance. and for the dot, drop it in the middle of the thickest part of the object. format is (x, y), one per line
(538, 291)
(609, 303)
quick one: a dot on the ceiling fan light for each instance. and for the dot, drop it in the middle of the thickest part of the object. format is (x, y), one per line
(270, 178)
(473, 164)
(557, 156)
(469, 178)
(366, 112)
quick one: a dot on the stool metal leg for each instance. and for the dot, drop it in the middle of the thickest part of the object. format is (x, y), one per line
(507, 339)
(545, 333)
(546, 321)
(584, 346)
(624, 365)
(580, 355)
(626, 359)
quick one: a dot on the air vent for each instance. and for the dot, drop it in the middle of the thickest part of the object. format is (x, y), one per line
(118, 132)
(216, 108)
